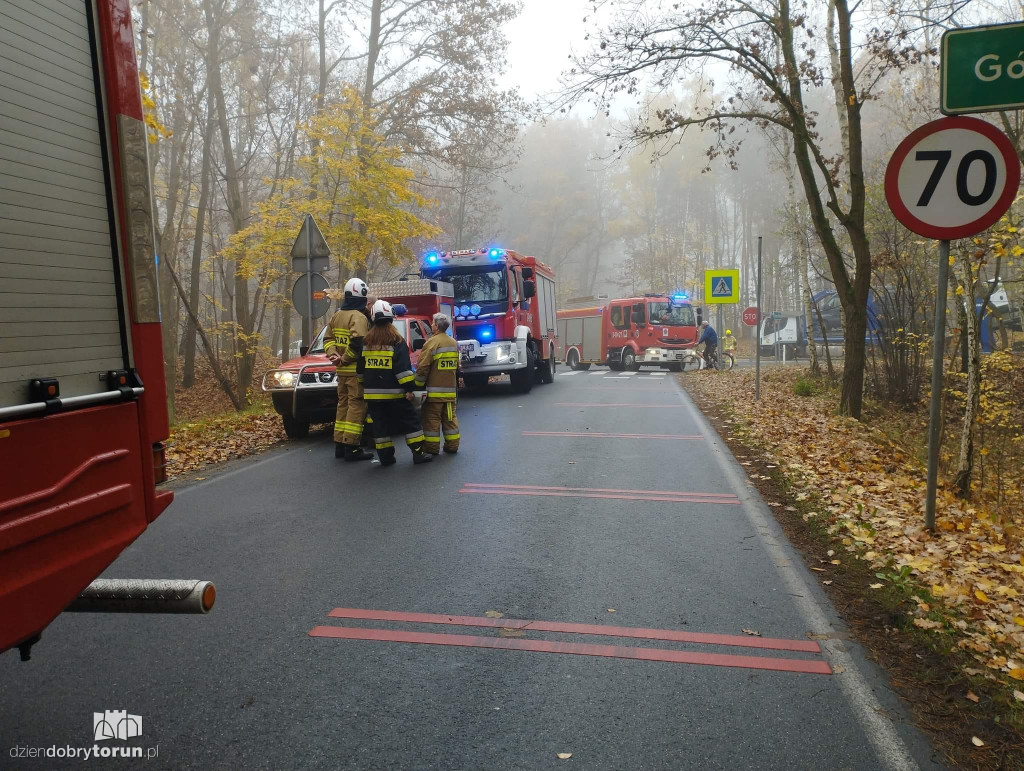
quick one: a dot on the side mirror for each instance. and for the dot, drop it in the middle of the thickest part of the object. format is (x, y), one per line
(303, 349)
(529, 289)
(527, 272)
(700, 316)
(418, 344)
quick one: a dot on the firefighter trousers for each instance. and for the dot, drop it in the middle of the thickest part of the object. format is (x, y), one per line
(397, 416)
(440, 417)
(348, 423)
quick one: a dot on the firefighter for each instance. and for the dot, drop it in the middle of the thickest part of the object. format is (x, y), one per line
(347, 325)
(438, 370)
(387, 386)
(728, 342)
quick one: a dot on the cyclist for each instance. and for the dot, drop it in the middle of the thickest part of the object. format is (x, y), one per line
(709, 337)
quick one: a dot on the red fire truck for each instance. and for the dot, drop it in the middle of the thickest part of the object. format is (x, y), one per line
(83, 412)
(305, 390)
(504, 313)
(624, 334)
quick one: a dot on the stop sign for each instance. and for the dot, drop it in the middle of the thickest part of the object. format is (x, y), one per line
(750, 317)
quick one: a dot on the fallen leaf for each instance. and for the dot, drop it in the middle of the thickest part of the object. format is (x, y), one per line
(977, 742)
(981, 595)
(572, 463)
(1018, 695)
(927, 623)
(972, 696)
(835, 562)
(494, 614)
(831, 552)
(820, 570)
(876, 586)
(564, 755)
(507, 632)
(772, 503)
(827, 583)
(611, 610)
(200, 479)
(1017, 674)
(752, 632)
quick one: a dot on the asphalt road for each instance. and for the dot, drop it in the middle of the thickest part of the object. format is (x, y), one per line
(294, 534)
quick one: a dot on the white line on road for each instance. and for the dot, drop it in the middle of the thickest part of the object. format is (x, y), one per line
(567, 374)
(617, 377)
(888, 745)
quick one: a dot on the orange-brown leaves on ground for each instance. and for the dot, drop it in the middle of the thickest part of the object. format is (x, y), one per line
(869, 491)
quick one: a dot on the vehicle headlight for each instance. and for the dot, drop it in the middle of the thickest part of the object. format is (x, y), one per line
(502, 351)
(284, 379)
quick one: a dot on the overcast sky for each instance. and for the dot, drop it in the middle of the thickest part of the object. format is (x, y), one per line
(540, 41)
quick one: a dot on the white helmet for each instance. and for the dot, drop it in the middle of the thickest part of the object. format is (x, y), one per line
(356, 287)
(382, 311)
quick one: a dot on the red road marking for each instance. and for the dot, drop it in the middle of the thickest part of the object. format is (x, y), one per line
(579, 649)
(612, 436)
(619, 404)
(554, 494)
(730, 496)
(741, 641)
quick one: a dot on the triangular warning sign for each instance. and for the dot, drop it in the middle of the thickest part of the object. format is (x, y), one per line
(316, 242)
(723, 288)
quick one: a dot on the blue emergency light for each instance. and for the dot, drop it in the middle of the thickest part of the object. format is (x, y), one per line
(495, 253)
(399, 309)
(474, 310)
(432, 258)
(679, 299)
(486, 333)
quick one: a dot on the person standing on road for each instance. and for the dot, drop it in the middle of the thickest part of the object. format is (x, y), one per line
(709, 337)
(438, 370)
(386, 369)
(347, 325)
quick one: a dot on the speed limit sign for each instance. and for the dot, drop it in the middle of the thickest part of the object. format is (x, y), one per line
(952, 178)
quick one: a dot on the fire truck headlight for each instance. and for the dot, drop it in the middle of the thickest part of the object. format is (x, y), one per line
(502, 352)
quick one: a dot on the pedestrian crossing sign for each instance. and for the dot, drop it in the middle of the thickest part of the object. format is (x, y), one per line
(721, 286)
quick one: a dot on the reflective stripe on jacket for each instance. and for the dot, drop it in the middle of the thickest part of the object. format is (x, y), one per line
(344, 327)
(438, 368)
(386, 372)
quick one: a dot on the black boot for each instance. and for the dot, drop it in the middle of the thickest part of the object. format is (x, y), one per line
(418, 457)
(357, 453)
(340, 450)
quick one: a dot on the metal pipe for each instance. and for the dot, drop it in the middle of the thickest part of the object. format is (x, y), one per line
(145, 595)
(66, 402)
(757, 329)
(935, 414)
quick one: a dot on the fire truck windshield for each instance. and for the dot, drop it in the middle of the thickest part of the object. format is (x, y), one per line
(476, 285)
(672, 316)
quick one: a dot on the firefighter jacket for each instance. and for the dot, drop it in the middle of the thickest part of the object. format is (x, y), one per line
(438, 368)
(386, 371)
(346, 325)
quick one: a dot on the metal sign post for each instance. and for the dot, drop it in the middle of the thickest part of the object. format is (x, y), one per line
(757, 329)
(949, 179)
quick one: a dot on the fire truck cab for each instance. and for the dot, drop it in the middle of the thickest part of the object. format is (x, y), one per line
(504, 313)
(304, 390)
(630, 332)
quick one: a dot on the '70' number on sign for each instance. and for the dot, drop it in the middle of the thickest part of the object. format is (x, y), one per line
(941, 159)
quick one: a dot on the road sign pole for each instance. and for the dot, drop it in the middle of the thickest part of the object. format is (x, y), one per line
(757, 329)
(309, 281)
(935, 414)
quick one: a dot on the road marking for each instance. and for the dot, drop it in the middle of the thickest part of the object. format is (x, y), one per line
(619, 404)
(585, 492)
(636, 633)
(617, 377)
(805, 666)
(695, 437)
(599, 373)
(568, 374)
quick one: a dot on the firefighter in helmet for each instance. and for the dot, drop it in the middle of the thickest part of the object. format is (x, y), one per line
(728, 342)
(387, 374)
(346, 326)
(438, 370)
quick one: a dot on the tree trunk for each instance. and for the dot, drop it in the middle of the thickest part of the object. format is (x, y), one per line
(965, 462)
(197, 247)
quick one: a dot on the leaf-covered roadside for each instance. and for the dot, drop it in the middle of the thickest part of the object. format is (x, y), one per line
(204, 442)
(968, 577)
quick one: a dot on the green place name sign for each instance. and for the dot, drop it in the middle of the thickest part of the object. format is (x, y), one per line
(983, 69)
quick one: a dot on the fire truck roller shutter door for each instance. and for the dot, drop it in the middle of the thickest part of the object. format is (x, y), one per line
(592, 338)
(572, 334)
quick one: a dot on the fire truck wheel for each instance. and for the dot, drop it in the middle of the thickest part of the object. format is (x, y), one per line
(629, 360)
(546, 370)
(295, 429)
(572, 359)
(522, 379)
